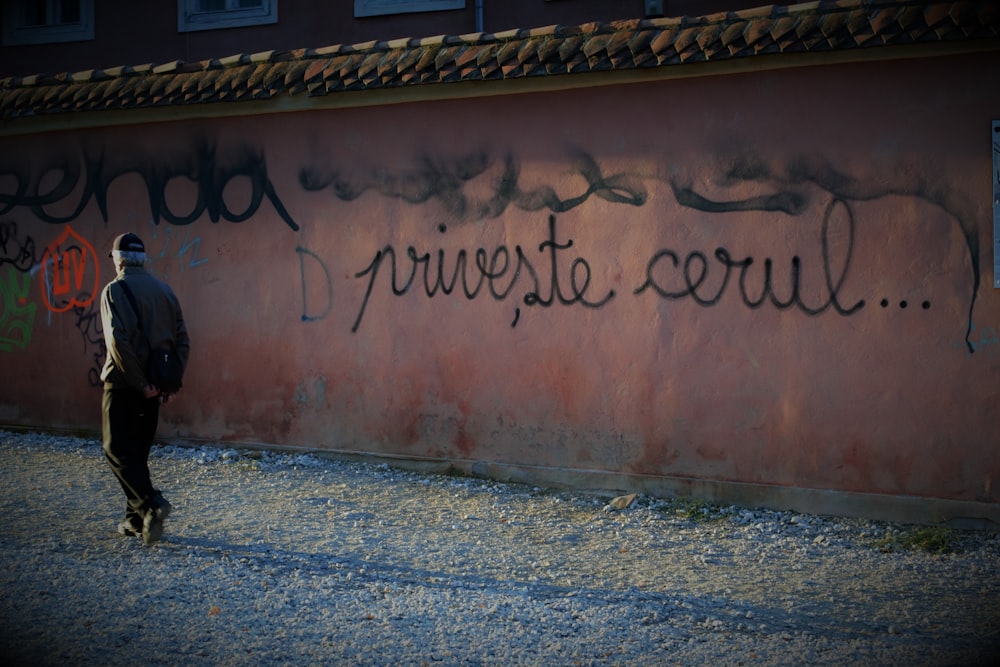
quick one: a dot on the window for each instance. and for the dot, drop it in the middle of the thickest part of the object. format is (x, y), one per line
(47, 21)
(213, 14)
(377, 7)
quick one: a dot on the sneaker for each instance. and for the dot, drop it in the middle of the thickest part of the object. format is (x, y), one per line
(128, 530)
(152, 526)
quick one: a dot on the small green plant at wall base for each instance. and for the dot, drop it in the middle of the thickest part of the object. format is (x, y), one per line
(247, 464)
(932, 539)
(698, 511)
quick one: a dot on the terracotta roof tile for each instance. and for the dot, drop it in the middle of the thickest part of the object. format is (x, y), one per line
(274, 76)
(408, 59)
(885, 22)
(783, 29)
(687, 39)
(596, 47)
(708, 38)
(227, 80)
(295, 79)
(577, 63)
(32, 99)
(910, 16)
(426, 61)
(511, 70)
(262, 56)
(639, 41)
(663, 43)
(117, 86)
(545, 51)
(569, 48)
(527, 55)
(50, 99)
(368, 67)
(166, 68)
(238, 59)
(733, 37)
(96, 96)
(937, 14)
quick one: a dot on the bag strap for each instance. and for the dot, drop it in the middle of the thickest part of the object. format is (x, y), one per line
(135, 309)
(131, 300)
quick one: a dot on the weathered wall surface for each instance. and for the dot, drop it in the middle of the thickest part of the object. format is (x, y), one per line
(779, 278)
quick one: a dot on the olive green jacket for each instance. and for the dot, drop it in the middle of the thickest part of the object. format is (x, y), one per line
(129, 346)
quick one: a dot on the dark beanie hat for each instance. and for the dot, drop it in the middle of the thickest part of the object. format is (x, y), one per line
(128, 242)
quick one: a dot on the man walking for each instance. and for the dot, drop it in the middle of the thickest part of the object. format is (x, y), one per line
(139, 313)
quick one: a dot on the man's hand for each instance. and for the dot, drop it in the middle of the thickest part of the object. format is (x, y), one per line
(150, 391)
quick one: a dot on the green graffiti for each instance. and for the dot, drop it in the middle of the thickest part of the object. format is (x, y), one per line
(17, 316)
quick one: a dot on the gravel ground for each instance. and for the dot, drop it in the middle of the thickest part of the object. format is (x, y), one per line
(282, 559)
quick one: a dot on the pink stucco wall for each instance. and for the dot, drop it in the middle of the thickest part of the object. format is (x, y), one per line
(701, 278)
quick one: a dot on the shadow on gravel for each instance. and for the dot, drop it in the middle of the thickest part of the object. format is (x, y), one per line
(708, 614)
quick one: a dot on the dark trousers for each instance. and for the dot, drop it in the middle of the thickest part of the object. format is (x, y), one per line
(129, 426)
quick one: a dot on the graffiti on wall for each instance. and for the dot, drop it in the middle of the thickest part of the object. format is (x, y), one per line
(545, 273)
(68, 280)
(68, 272)
(558, 277)
(791, 181)
(501, 270)
(58, 190)
(670, 274)
(87, 320)
(17, 313)
(696, 267)
(180, 250)
(447, 181)
(59, 187)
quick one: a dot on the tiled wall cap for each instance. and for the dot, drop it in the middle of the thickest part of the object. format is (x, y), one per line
(167, 67)
(547, 50)
(261, 57)
(236, 59)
